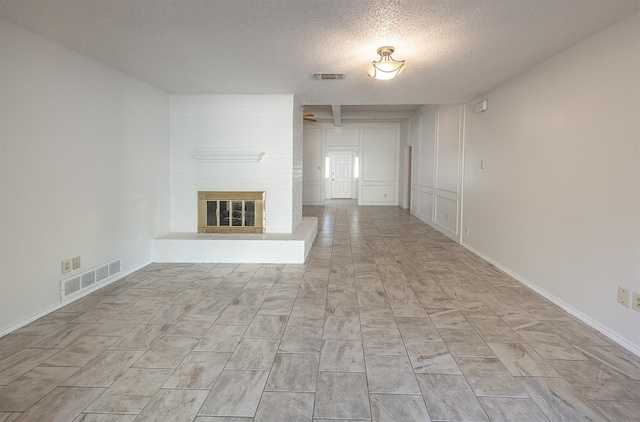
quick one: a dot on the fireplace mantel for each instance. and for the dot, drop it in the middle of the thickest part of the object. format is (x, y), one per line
(228, 157)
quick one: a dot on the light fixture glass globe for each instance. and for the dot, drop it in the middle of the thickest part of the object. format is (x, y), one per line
(386, 68)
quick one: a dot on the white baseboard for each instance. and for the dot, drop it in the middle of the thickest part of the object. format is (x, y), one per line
(435, 226)
(576, 313)
(71, 300)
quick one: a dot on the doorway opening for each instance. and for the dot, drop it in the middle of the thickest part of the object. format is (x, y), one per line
(341, 173)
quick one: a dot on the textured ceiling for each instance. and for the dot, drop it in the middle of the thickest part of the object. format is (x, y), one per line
(454, 49)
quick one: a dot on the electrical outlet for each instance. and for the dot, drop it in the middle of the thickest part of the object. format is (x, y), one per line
(76, 262)
(467, 231)
(636, 301)
(446, 217)
(623, 296)
(66, 266)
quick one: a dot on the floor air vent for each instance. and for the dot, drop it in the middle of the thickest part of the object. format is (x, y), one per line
(102, 273)
(77, 284)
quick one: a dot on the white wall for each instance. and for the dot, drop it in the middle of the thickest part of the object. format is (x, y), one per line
(84, 169)
(404, 167)
(232, 124)
(558, 201)
(297, 166)
(313, 167)
(375, 144)
(436, 137)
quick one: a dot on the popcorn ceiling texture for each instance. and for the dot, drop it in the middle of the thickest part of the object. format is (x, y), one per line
(455, 49)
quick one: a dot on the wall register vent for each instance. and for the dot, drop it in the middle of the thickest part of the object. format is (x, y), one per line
(75, 285)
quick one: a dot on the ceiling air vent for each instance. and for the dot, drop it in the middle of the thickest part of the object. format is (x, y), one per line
(328, 76)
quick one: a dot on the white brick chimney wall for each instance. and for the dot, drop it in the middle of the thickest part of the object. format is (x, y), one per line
(236, 124)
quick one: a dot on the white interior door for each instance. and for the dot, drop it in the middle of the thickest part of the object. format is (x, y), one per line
(341, 176)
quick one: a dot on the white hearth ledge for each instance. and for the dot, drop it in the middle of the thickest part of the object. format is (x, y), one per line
(268, 248)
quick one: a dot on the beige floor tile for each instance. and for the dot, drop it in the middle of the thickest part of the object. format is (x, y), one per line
(619, 411)
(280, 406)
(63, 404)
(522, 360)
(382, 341)
(63, 336)
(301, 340)
(342, 396)
(306, 316)
(506, 409)
(254, 353)
(450, 398)
(236, 393)
(551, 346)
(342, 327)
(173, 405)
(613, 359)
(167, 352)
(397, 407)
(101, 417)
(449, 319)
(104, 369)
(14, 366)
(31, 387)
(192, 325)
(391, 374)
(141, 337)
(199, 370)
(417, 329)
(131, 392)
(9, 416)
(266, 326)
(592, 381)
(459, 349)
(488, 377)
(237, 315)
(558, 400)
(342, 356)
(221, 339)
(293, 372)
(431, 357)
(13, 343)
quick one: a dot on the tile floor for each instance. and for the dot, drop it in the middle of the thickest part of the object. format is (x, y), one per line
(388, 321)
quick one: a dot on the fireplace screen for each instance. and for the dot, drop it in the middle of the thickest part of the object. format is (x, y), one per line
(231, 212)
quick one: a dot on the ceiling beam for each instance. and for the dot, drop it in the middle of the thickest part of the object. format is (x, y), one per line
(337, 119)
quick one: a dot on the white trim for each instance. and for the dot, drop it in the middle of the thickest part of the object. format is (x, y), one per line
(71, 300)
(568, 308)
(445, 231)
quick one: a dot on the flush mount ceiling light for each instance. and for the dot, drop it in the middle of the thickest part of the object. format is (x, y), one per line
(387, 67)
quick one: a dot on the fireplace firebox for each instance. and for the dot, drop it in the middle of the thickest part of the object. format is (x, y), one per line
(231, 212)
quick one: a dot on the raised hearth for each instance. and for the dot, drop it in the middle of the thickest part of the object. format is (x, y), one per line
(266, 248)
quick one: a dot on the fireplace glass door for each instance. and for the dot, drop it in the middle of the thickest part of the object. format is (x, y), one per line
(231, 212)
